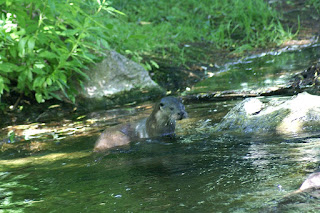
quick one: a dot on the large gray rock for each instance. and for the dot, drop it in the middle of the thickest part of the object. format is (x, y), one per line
(117, 80)
(299, 114)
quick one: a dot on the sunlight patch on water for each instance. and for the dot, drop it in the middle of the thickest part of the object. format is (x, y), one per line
(38, 160)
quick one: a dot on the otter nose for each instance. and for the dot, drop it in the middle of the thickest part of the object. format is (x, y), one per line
(185, 114)
(182, 115)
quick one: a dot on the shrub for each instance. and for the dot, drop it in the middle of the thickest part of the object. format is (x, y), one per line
(315, 4)
(46, 44)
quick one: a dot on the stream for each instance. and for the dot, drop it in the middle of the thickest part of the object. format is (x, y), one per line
(50, 167)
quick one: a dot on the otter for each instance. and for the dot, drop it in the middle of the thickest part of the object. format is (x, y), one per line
(161, 122)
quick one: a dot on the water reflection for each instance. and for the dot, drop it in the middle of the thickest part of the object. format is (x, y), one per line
(260, 73)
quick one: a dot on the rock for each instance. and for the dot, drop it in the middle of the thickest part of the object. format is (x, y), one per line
(313, 181)
(252, 106)
(117, 80)
(299, 114)
(306, 197)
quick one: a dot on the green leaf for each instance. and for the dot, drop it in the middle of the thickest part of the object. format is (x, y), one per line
(38, 82)
(13, 51)
(55, 96)
(22, 81)
(81, 73)
(112, 11)
(49, 81)
(155, 64)
(31, 44)
(1, 85)
(62, 88)
(39, 65)
(38, 71)
(137, 36)
(43, 39)
(21, 46)
(69, 32)
(52, 6)
(8, 67)
(12, 136)
(29, 75)
(48, 55)
(147, 66)
(109, 26)
(63, 79)
(89, 57)
(72, 98)
(105, 44)
(39, 97)
(31, 29)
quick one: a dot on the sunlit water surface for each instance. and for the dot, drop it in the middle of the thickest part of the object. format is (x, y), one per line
(196, 172)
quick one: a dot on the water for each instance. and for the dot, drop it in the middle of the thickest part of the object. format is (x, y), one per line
(259, 74)
(196, 172)
(51, 167)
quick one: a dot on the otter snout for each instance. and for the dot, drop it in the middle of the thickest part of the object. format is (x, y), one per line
(181, 115)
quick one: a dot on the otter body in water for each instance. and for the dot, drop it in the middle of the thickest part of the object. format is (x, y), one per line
(161, 122)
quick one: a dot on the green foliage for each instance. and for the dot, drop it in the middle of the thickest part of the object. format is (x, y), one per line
(12, 136)
(46, 44)
(315, 4)
(161, 26)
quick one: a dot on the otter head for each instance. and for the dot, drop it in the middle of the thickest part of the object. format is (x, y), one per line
(172, 109)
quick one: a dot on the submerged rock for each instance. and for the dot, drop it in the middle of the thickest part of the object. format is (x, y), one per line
(307, 197)
(117, 80)
(312, 182)
(300, 113)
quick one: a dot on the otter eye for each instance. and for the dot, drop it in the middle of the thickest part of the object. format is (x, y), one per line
(161, 104)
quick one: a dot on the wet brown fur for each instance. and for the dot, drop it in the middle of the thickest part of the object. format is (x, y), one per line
(161, 122)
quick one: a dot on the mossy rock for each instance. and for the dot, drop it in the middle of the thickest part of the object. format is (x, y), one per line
(299, 114)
